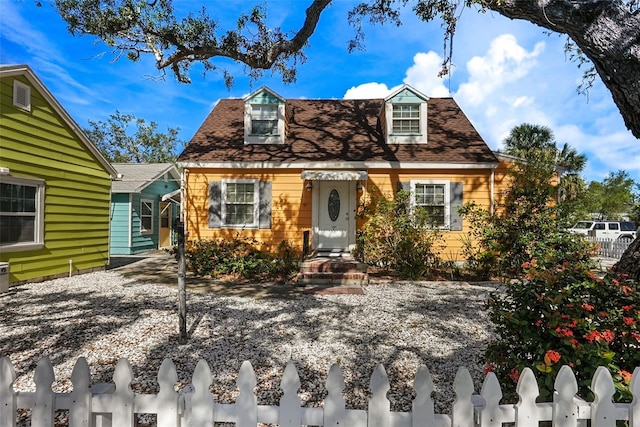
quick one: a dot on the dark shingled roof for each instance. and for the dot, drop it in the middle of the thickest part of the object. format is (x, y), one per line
(337, 130)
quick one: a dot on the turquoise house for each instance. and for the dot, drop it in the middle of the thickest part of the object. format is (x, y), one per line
(144, 206)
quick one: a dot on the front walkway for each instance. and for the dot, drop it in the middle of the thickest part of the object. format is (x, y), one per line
(161, 268)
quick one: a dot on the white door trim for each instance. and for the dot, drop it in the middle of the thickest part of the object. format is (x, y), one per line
(317, 205)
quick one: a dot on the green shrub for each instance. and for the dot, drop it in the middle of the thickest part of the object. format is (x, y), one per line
(481, 258)
(565, 315)
(285, 262)
(523, 226)
(498, 245)
(552, 310)
(397, 238)
(240, 256)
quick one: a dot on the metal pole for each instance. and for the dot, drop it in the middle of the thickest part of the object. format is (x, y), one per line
(182, 286)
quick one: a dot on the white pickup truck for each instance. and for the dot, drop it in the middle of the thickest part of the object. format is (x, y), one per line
(606, 229)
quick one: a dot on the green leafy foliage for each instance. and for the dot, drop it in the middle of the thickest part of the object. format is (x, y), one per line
(119, 143)
(563, 314)
(477, 244)
(526, 224)
(635, 209)
(611, 197)
(498, 245)
(240, 256)
(398, 238)
(285, 261)
(553, 310)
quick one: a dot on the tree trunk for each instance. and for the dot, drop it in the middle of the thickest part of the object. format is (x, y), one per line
(629, 264)
(605, 30)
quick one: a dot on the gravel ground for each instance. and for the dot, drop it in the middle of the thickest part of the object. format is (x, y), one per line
(105, 316)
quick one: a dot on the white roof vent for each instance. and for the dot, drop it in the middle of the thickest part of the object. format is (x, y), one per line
(21, 95)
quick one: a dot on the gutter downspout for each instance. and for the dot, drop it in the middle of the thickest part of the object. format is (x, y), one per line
(111, 211)
(492, 190)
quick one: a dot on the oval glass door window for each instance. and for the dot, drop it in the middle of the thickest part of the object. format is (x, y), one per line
(334, 205)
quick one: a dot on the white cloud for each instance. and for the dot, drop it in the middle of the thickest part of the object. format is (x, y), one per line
(608, 152)
(509, 85)
(522, 101)
(505, 62)
(500, 91)
(423, 75)
(57, 76)
(368, 91)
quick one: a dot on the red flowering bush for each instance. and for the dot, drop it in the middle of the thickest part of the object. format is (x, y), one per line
(565, 315)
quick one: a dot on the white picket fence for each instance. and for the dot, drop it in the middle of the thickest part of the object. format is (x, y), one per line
(116, 405)
(610, 248)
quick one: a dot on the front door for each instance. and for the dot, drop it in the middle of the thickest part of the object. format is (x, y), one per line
(165, 225)
(334, 202)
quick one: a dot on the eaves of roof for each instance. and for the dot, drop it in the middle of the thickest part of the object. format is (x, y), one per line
(137, 177)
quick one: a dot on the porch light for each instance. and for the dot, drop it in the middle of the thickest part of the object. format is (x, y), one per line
(309, 185)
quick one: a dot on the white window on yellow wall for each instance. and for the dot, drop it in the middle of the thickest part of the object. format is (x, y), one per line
(21, 213)
(146, 216)
(433, 198)
(240, 202)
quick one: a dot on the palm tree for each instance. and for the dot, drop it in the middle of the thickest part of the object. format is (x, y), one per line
(569, 158)
(529, 141)
(572, 163)
(536, 143)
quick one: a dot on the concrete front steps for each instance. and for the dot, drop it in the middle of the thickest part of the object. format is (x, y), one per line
(333, 271)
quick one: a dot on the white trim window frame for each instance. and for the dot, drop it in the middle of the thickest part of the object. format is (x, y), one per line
(405, 119)
(21, 212)
(240, 203)
(264, 123)
(432, 194)
(413, 112)
(146, 216)
(264, 120)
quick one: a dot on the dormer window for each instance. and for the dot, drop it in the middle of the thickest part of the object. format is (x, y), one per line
(264, 118)
(405, 117)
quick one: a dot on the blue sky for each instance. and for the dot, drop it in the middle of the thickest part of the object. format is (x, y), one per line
(506, 73)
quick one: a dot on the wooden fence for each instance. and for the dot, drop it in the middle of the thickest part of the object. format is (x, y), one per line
(610, 248)
(114, 404)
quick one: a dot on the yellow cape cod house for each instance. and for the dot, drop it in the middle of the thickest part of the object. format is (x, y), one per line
(273, 168)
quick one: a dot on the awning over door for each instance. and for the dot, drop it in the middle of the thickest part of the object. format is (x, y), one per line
(174, 196)
(335, 175)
